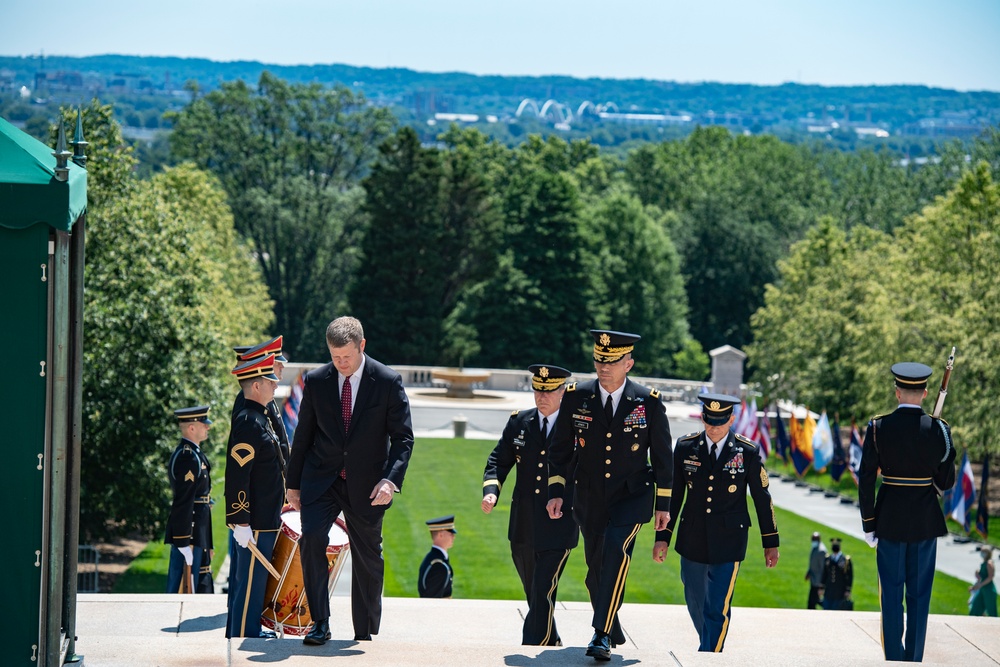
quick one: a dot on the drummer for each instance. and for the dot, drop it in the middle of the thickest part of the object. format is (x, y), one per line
(255, 489)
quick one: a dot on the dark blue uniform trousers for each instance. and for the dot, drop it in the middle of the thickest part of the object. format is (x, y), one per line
(616, 556)
(909, 566)
(176, 568)
(708, 591)
(539, 624)
(248, 587)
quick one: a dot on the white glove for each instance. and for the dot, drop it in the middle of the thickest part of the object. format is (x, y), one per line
(243, 535)
(871, 540)
(188, 554)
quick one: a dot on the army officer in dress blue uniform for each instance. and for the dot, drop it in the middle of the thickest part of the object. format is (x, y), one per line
(246, 353)
(612, 436)
(915, 454)
(713, 469)
(539, 546)
(189, 527)
(255, 490)
(436, 575)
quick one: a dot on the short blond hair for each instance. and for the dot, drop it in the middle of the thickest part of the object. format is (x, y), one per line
(344, 330)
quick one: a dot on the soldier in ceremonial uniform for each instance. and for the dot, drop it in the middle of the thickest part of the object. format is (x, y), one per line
(838, 577)
(713, 469)
(189, 528)
(539, 546)
(612, 436)
(255, 490)
(916, 458)
(436, 575)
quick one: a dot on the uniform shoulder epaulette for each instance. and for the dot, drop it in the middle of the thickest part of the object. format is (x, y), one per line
(942, 420)
(654, 393)
(745, 440)
(514, 413)
(875, 417)
(571, 386)
(689, 436)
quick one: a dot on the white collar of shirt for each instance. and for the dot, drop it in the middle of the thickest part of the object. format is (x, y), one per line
(616, 396)
(355, 382)
(441, 550)
(909, 405)
(552, 421)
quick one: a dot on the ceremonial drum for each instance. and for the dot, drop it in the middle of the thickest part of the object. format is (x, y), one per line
(286, 610)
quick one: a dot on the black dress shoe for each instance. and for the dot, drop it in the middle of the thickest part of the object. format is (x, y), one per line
(362, 638)
(600, 647)
(319, 634)
(267, 634)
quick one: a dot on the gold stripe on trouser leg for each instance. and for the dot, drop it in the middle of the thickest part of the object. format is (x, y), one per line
(548, 597)
(246, 596)
(619, 589)
(881, 624)
(725, 608)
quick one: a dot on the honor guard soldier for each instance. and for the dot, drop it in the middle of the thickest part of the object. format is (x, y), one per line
(246, 353)
(436, 575)
(539, 545)
(189, 528)
(713, 470)
(255, 490)
(916, 457)
(838, 577)
(616, 434)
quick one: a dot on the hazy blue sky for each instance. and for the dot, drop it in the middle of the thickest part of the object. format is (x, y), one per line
(948, 43)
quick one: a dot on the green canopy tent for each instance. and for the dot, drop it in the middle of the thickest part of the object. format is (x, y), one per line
(43, 198)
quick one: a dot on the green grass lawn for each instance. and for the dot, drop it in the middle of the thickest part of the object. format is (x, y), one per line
(445, 477)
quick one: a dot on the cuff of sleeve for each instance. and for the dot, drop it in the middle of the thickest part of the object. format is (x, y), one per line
(869, 525)
(769, 541)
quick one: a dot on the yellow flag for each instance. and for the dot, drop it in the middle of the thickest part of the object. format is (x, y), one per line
(808, 430)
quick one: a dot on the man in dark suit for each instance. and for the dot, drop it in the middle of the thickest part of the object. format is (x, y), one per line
(916, 457)
(714, 468)
(189, 527)
(612, 436)
(436, 576)
(255, 489)
(349, 454)
(539, 546)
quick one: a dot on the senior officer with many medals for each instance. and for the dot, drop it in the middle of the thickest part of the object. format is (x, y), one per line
(189, 527)
(617, 434)
(255, 489)
(714, 468)
(914, 452)
(539, 546)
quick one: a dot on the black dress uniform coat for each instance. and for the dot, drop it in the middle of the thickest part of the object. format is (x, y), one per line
(713, 525)
(521, 445)
(190, 521)
(274, 416)
(436, 575)
(621, 467)
(838, 577)
(255, 485)
(913, 451)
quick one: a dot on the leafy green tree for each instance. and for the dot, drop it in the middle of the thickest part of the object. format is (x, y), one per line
(289, 157)
(168, 290)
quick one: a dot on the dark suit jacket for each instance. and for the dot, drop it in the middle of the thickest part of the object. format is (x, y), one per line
(619, 467)
(521, 444)
(714, 521)
(378, 445)
(897, 444)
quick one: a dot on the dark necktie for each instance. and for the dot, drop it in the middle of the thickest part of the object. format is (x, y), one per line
(715, 446)
(545, 427)
(345, 404)
(609, 409)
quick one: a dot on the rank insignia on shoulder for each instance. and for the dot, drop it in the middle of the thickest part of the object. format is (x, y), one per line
(690, 435)
(571, 386)
(654, 393)
(514, 413)
(744, 439)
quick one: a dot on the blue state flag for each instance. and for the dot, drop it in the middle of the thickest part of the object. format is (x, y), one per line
(822, 444)
(781, 436)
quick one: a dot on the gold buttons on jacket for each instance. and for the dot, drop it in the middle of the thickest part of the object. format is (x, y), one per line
(709, 488)
(708, 511)
(539, 478)
(711, 477)
(608, 448)
(607, 461)
(609, 435)
(607, 474)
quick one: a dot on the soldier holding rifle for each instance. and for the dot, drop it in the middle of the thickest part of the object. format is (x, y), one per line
(916, 457)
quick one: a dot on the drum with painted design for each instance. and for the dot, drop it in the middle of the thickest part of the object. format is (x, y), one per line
(286, 610)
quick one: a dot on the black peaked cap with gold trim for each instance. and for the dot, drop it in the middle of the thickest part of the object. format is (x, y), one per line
(442, 523)
(911, 375)
(240, 350)
(610, 346)
(547, 378)
(256, 368)
(716, 409)
(198, 413)
(272, 346)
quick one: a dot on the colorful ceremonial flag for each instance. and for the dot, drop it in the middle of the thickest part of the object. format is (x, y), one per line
(854, 451)
(290, 410)
(784, 442)
(964, 494)
(839, 463)
(822, 443)
(808, 430)
(764, 435)
(743, 422)
(801, 455)
(983, 511)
